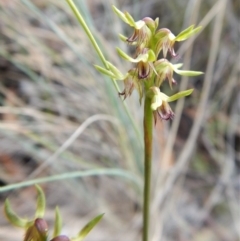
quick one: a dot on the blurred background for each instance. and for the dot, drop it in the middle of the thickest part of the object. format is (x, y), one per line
(59, 115)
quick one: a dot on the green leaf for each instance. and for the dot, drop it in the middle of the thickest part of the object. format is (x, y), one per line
(88, 227)
(57, 223)
(41, 202)
(185, 34)
(13, 218)
(180, 95)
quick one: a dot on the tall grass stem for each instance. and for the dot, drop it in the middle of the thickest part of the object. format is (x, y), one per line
(87, 31)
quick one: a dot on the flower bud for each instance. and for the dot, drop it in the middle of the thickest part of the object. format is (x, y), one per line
(37, 231)
(41, 226)
(151, 24)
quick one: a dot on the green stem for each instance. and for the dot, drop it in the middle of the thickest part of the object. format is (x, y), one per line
(147, 125)
(87, 31)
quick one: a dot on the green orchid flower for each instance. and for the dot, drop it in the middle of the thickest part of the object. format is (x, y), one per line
(37, 229)
(165, 70)
(159, 102)
(144, 61)
(130, 80)
(165, 39)
(25, 223)
(143, 29)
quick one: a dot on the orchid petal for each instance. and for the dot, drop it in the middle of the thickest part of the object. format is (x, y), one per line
(177, 66)
(180, 95)
(187, 33)
(127, 18)
(120, 14)
(188, 72)
(105, 72)
(156, 102)
(141, 57)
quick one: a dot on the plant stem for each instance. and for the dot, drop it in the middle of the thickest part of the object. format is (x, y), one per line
(147, 125)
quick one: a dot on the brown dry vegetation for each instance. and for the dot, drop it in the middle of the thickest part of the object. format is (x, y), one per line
(58, 115)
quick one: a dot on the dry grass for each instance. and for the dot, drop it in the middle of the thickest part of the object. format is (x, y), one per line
(59, 115)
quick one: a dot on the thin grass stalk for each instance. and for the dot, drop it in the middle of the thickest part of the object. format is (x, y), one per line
(78, 174)
(87, 31)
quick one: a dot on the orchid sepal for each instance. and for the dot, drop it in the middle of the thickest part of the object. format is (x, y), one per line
(127, 18)
(187, 33)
